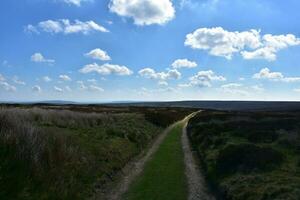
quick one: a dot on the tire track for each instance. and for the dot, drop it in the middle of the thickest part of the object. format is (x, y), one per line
(197, 187)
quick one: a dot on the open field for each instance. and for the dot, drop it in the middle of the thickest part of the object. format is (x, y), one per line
(67, 152)
(249, 155)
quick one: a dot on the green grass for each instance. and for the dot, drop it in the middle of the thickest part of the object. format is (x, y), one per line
(163, 177)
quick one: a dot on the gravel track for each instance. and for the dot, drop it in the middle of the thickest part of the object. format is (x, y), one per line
(132, 170)
(196, 182)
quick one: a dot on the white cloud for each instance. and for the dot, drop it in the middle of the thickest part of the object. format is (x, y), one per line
(68, 89)
(296, 90)
(96, 88)
(46, 79)
(31, 29)
(163, 83)
(7, 87)
(93, 88)
(16, 80)
(266, 73)
(75, 2)
(250, 44)
(36, 88)
(160, 76)
(258, 88)
(234, 88)
(66, 27)
(57, 89)
(106, 69)
(65, 77)
(204, 79)
(98, 54)
(144, 12)
(81, 85)
(94, 81)
(183, 63)
(2, 78)
(39, 58)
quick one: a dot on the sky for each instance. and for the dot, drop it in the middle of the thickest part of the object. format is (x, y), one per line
(149, 50)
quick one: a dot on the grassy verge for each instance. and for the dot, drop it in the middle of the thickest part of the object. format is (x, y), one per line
(163, 177)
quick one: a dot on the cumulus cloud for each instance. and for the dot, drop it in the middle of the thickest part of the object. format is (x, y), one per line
(96, 88)
(7, 87)
(98, 54)
(250, 44)
(240, 89)
(93, 88)
(36, 88)
(258, 88)
(16, 80)
(68, 89)
(204, 79)
(66, 27)
(160, 76)
(94, 81)
(65, 77)
(144, 12)
(75, 2)
(58, 89)
(2, 78)
(39, 58)
(47, 79)
(183, 63)
(106, 69)
(266, 73)
(235, 89)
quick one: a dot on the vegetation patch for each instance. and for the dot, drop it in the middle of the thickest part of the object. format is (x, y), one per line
(63, 152)
(249, 155)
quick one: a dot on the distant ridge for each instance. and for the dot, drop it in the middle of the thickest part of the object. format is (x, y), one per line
(216, 105)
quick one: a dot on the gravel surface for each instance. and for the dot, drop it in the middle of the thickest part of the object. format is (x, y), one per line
(196, 181)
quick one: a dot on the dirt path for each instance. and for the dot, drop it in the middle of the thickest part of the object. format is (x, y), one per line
(132, 170)
(196, 182)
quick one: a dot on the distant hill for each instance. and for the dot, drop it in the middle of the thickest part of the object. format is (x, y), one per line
(217, 105)
(224, 105)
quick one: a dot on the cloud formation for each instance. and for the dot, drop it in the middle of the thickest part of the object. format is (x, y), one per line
(75, 2)
(183, 63)
(144, 12)
(39, 58)
(7, 87)
(204, 79)
(65, 77)
(98, 54)
(106, 69)
(16, 80)
(160, 76)
(266, 73)
(66, 27)
(58, 89)
(96, 88)
(36, 88)
(234, 88)
(250, 44)
(47, 79)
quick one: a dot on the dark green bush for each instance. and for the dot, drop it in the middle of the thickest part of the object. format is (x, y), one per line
(246, 158)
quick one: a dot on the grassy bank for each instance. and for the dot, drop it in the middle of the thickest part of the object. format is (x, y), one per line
(249, 155)
(163, 177)
(61, 152)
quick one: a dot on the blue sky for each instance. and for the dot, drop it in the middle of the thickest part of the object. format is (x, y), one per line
(111, 50)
